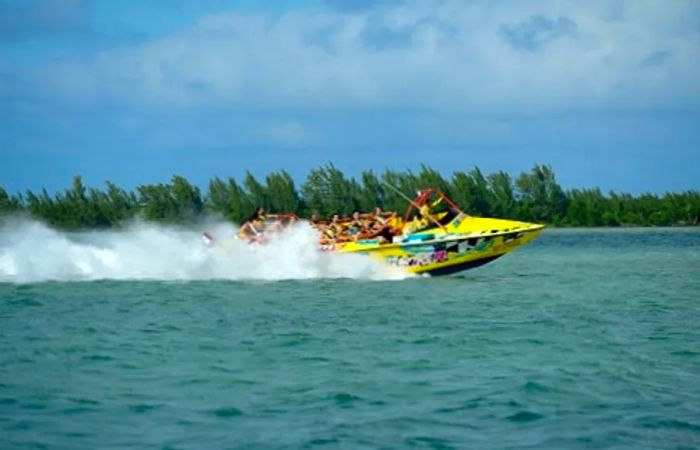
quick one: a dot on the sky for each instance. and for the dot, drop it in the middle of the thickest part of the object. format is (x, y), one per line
(606, 92)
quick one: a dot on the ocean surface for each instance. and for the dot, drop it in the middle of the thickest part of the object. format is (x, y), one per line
(581, 339)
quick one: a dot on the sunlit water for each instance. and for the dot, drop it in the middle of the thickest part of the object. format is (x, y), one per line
(582, 339)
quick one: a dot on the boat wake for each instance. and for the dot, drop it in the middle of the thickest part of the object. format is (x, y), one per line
(32, 252)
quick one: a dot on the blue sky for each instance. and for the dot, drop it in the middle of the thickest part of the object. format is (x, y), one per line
(606, 92)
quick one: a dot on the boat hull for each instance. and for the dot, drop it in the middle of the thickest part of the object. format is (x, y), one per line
(446, 254)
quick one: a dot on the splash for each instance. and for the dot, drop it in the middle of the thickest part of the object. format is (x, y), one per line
(31, 252)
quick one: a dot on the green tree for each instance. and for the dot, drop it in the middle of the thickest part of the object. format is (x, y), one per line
(471, 192)
(9, 204)
(256, 192)
(328, 192)
(281, 192)
(431, 178)
(502, 194)
(187, 198)
(156, 202)
(406, 183)
(73, 206)
(241, 205)
(541, 197)
(371, 193)
(586, 207)
(117, 205)
(218, 198)
(534, 196)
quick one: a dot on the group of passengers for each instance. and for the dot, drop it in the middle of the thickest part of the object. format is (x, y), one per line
(260, 223)
(378, 224)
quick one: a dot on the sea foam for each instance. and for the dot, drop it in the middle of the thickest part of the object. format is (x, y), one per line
(30, 252)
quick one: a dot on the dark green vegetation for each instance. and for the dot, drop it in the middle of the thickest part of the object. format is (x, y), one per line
(533, 196)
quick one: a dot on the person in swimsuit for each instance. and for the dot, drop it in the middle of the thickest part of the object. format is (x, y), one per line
(357, 226)
(258, 215)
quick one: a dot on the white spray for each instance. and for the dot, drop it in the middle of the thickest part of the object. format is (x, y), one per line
(31, 251)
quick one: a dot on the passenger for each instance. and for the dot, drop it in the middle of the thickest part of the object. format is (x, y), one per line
(334, 229)
(321, 227)
(249, 232)
(357, 226)
(252, 228)
(383, 216)
(386, 234)
(376, 214)
(381, 230)
(418, 223)
(425, 216)
(257, 220)
(258, 215)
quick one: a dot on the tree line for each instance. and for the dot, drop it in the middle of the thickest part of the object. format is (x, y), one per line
(533, 196)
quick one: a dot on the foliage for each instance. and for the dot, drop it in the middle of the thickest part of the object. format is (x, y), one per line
(533, 196)
(175, 202)
(541, 199)
(328, 192)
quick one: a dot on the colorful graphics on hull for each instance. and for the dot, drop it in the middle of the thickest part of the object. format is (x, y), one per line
(423, 255)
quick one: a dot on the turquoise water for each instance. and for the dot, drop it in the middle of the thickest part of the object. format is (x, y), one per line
(582, 339)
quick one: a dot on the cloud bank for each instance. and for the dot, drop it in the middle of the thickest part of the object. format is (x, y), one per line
(131, 91)
(470, 57)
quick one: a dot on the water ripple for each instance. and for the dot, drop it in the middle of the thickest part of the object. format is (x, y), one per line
(577, 341)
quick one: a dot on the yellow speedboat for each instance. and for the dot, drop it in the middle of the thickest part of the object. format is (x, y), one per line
(445, 242)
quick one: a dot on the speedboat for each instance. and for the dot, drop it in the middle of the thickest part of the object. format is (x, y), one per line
(445, 242)
(434, 236)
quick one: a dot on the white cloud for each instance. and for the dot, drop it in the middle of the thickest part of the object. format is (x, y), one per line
(288, 133)
(439, 55)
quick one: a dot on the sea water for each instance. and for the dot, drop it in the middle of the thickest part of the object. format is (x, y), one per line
(141, 339)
